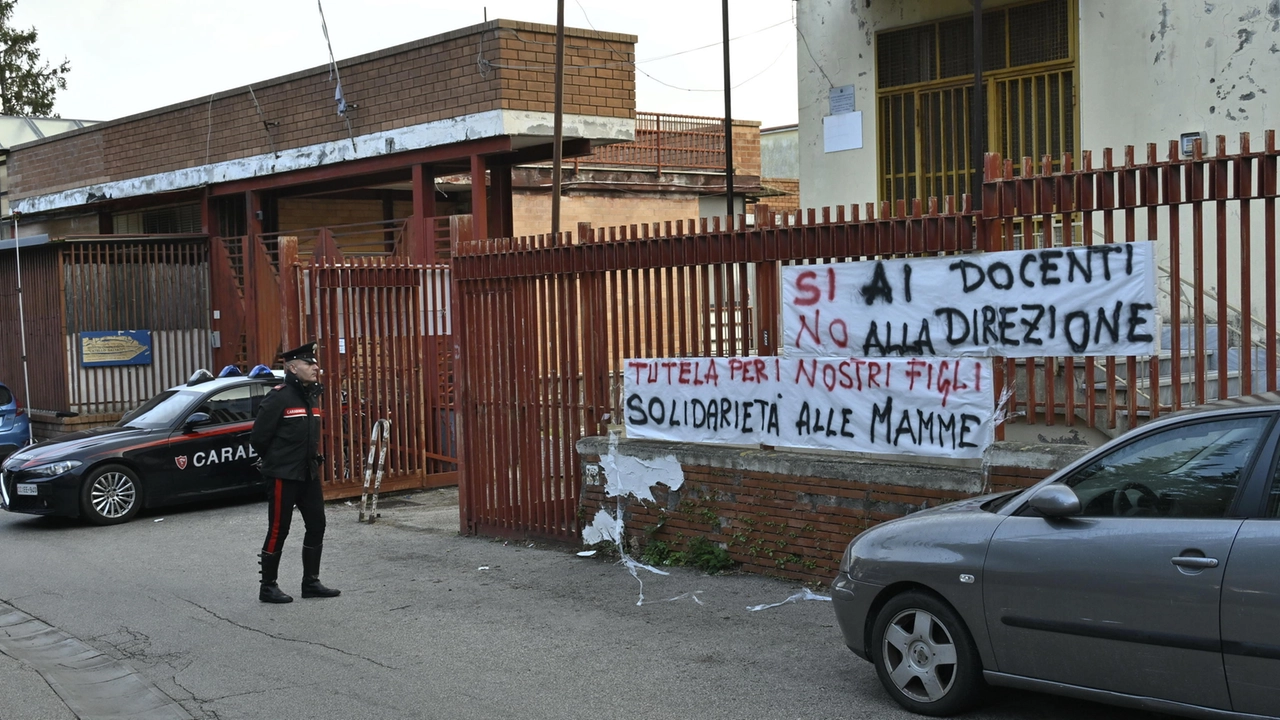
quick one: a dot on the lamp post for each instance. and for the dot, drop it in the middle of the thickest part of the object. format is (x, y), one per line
(22, 323)
(728, 115)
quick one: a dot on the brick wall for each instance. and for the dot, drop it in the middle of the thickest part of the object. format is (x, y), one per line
(795, 525)
(786, 203)
(746, 147)
(1007, 477)
(419, 82)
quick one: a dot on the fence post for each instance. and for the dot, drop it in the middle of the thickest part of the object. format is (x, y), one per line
(290, 298)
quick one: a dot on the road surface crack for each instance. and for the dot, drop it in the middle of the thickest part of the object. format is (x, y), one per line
(273, 636)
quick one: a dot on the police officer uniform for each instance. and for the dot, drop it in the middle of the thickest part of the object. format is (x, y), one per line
(286, 436)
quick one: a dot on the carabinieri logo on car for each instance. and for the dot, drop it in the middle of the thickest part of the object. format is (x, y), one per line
(215, 456)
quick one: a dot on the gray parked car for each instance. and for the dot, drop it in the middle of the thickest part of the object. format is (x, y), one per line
(1145, 575)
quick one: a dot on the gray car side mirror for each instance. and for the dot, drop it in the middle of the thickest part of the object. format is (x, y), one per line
(1055, 500)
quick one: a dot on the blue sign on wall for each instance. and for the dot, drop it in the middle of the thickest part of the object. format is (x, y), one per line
(104, 348)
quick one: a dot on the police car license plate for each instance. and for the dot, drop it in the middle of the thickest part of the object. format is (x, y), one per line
(27, 489)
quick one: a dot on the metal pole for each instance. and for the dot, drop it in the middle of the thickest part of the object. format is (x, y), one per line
(978, 114)
(728, 116)
(22, 322)
(557, 148)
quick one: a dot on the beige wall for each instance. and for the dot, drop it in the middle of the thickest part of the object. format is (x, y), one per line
(531, 213)
(57, 227)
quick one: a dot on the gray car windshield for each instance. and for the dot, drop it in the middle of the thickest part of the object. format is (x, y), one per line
(162, 410)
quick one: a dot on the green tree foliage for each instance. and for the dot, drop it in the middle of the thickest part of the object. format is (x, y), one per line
(27, 87)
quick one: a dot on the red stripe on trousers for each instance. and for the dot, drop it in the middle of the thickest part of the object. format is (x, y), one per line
(275, 520)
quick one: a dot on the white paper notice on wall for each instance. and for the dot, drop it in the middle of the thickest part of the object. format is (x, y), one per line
(842, 132)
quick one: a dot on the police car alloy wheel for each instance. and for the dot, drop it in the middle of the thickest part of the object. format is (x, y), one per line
(111, 495)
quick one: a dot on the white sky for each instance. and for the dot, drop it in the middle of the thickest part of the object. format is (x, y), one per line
(128, 56)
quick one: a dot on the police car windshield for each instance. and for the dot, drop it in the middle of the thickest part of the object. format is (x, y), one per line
(162, 410)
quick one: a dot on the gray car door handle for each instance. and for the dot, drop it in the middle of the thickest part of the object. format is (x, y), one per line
(1195, 562)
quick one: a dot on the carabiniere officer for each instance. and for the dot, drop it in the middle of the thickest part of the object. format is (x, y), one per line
(286, 436)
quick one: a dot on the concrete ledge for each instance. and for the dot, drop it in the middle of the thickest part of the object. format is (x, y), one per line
(960, 476)
(1034, 456)
(905, 471)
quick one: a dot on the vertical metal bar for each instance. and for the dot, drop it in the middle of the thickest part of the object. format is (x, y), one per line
(1044, 190)
(728, 111)
(1173, 170)
(1218, 181)
(1026, 207)
(1108, 192)
(1242, 165)
(1150, 195)
(1195, 195)
(1128, 200)
(1085, 193)
(558, 131)
(1267, 184)
(1066, 207)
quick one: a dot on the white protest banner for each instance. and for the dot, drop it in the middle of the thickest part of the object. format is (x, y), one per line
(919, 406)
(1068, 301)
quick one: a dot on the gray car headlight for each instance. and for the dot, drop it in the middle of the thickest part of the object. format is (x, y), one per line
(846, 562)
(54, 468)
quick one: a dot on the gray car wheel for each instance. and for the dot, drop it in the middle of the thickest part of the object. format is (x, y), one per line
(111, 495)
(924, 655)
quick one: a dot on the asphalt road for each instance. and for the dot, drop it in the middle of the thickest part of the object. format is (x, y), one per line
(163, 613)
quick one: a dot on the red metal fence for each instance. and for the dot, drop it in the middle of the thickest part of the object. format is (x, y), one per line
(157, 283)
(545, 322)
(673, 142)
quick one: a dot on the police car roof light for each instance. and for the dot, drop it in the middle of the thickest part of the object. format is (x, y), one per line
(199, 376)
(230, 371)
(261, 371)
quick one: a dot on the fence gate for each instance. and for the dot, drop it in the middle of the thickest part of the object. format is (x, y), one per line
(385, 351)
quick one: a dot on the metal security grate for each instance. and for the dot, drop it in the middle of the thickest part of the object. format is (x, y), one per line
(1011, 37)
(906, 57)
(956, 45)
(925, 130)
(1038, 33)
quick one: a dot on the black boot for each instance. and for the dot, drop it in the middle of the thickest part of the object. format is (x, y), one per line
(270, 591)
(311, 585)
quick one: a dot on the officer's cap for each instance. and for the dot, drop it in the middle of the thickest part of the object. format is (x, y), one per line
(304, 352)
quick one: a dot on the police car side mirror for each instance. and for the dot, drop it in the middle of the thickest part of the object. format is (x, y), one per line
(196, 419)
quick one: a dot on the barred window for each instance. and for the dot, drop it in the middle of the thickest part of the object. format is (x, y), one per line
(925, 95)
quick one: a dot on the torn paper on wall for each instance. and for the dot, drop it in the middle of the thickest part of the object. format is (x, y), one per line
(626, 475)
(630, 477)
(604, 527)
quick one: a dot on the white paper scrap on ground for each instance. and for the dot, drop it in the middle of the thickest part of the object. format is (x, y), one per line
(483, 567)
(684, 595)
(586, 553)
(805, 594)
(633, 565)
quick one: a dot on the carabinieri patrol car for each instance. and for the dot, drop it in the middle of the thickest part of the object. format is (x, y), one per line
(190, 442)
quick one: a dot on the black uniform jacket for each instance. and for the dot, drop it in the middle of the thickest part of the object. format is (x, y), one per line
(286, 432)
